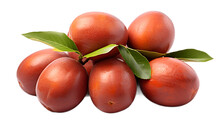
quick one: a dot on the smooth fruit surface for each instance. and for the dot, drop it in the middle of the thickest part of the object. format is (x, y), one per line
(172, 83)
(153, 31)
(112, 85)
(88, 65)
(93, 30)
(62, 85)
(31, 67)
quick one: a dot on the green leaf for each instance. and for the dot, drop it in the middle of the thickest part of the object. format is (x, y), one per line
(101, 51)
(151, 54)
(190, 55)
(60, 41)
(137, 62)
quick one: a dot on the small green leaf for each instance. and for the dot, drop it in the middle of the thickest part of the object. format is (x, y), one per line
(151, 54)
(190, 55)
(60, 41)
(137, 62)
(101, 51)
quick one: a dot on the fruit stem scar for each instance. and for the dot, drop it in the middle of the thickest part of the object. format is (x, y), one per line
(110, 102)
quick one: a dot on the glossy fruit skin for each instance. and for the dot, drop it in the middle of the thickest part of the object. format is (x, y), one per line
(112, 85)
(31, 67)
(93, 30)
(172, 83)
(62, 85)
(153, 31)
(88, 65)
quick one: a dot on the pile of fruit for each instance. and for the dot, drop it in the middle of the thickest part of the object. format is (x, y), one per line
(99, 55)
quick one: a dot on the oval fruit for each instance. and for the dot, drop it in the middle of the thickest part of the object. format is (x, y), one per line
(172, 83)
(31, 67)
(153, 31)
(62, 85)
(93, 30)
(112, 85)
(88, 65)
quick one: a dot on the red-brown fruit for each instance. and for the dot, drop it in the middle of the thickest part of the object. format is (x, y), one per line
(62, 85)
(93, 30)
(88, 65)
(153, 31)
(31, 67)
(172, 83)
(112, 85)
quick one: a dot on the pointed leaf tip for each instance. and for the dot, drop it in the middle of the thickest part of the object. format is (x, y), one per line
(192, 55)
(59, 41)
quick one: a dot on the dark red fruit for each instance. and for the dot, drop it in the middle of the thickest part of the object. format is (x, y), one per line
(93, 30)
(173, 82)
(31, 67)
(62, 85)
(112, 85)
(153, 31)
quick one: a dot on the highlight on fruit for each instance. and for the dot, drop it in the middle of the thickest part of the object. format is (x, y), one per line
(99, 55)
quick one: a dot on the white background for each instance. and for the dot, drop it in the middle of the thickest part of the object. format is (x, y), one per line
(197, 25)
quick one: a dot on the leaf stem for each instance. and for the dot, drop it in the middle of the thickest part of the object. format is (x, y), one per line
(84, 62)
(80, 58)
